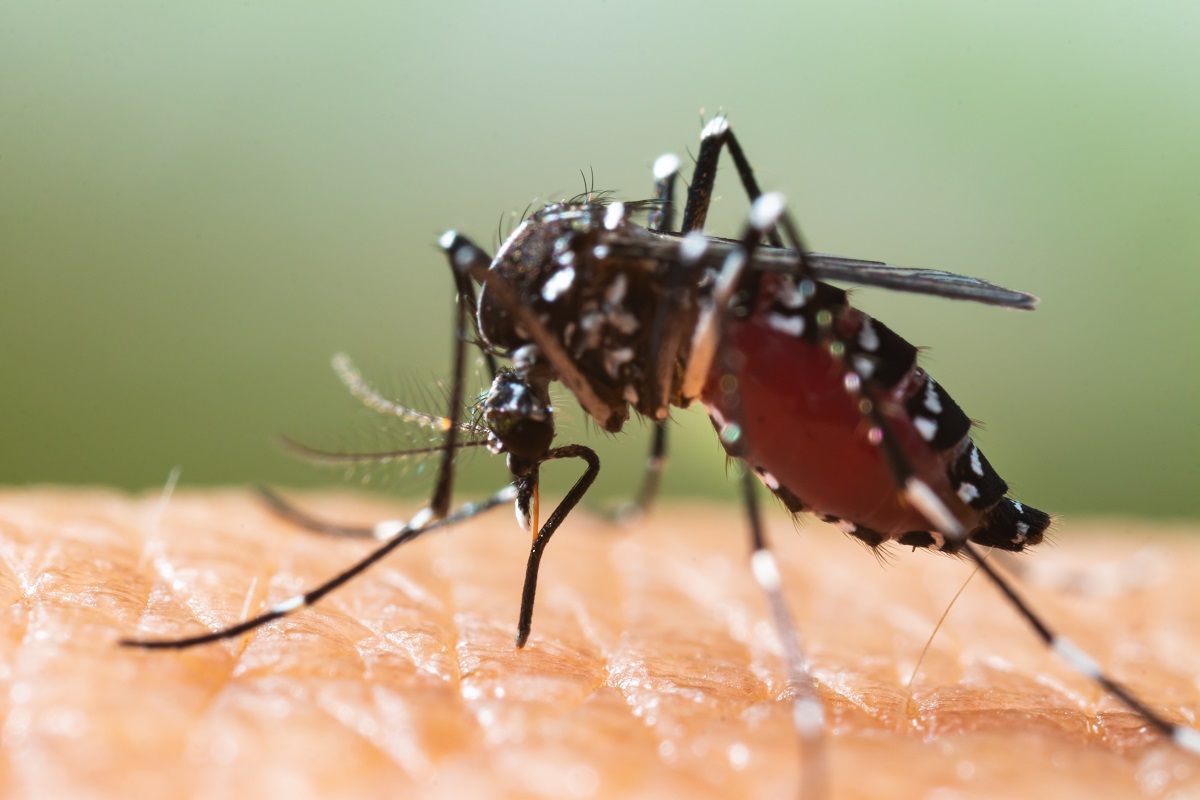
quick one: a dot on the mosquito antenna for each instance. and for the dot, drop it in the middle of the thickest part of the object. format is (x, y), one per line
(371, 398)
(329, 457)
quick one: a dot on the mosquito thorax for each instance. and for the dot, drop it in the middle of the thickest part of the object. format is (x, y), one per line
(581, 269)
(542, 246)
(519, 420)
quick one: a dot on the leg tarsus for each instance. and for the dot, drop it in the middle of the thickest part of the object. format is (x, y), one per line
(808, 714)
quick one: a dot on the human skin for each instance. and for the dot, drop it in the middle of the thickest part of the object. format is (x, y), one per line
(652, 669)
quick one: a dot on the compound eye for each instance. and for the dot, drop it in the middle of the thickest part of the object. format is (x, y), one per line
(518, 418)
(527, 439)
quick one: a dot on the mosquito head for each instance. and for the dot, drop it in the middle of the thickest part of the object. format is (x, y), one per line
(518, 417)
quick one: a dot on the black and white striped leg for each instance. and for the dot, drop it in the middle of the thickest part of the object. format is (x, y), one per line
(666, 174)
(717, 134)
(393, 533)
(732, 287)
(922, 497)
(808, 714)
(1183, 736)
(666, 337)
(572, 498)
(466, 263)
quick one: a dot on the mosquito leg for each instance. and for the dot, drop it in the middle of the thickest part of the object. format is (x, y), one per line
(735, 277)
(633, 511)
(467, 262)
(394, 533)
(666, 337)
(1183, 736)
(666, 173)
(808, 715)
(525, 622)
(923, 498)
(468, 304)
(716, 135)
(285, 510)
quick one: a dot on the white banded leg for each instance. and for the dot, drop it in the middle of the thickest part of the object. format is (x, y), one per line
(921, 496)
(393, 532)
(808, 715)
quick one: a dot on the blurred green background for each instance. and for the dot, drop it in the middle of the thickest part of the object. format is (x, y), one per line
(201, 203)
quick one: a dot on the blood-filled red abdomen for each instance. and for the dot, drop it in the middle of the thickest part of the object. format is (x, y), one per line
(803, 430)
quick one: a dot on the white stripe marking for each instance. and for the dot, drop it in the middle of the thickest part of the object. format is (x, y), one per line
(766, 211)
(868, 339)
(693, 246)
(665, 166)
(792, 326)
(1187, 738)
(809, 718)
(559, 282)
(388, 529)
(614, 215)
(863, 366)
(976, 464)
(1076, 657)
(932, 401)
(289, 605)
(931, 506)
(790, 296)
(766, 570)
(715, 127)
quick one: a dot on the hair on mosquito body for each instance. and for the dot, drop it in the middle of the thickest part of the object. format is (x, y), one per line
(818, 401)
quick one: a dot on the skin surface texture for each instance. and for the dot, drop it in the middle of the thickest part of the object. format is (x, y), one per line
(652, 669)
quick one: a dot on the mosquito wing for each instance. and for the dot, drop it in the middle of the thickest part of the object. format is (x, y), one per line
(919, 281)
(852, 270)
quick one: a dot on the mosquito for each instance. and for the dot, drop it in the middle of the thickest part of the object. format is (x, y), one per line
(823, 404)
